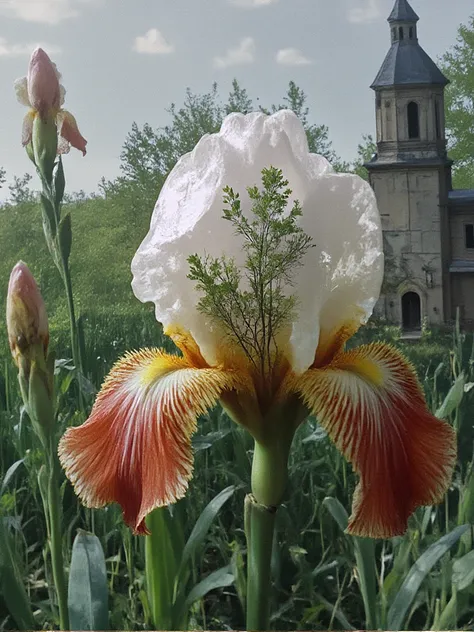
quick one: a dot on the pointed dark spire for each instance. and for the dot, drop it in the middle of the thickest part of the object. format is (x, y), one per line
(406, 62)
(402, 12)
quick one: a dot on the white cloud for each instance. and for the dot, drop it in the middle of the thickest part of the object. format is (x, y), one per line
(252, 4)
(45, 11)
(369, 12)
(152, 43)
(244, 53)
(17, 50)
(292, 57)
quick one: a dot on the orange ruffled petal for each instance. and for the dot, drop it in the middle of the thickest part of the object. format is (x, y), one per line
(135, 448)
(372, 407)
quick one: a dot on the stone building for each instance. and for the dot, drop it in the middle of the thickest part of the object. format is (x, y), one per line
(428, 227)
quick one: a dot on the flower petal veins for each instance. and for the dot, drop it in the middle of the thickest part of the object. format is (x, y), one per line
(135, 448)
(369, 401)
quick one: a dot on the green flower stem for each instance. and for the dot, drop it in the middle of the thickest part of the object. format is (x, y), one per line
(260, 522)
(270, 470)
(58, 237)
(160, 564)
(57, 562)
(269, 478)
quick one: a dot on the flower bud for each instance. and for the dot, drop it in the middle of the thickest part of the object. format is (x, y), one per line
(27, 322)
(43, 84)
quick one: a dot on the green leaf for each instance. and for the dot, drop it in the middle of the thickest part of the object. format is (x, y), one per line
(203, 442)
(333, 610)
(416, 575)
(463, 571)
(453, 398)
(9, 474)
(12, 589)
(65, 236)
(364, 552)
(450, 616)
(49, 214)
(59, 182)
(87, 595)
(202, 526)
(218, 579)
(195, 540)
(337, 511)
(49, 226)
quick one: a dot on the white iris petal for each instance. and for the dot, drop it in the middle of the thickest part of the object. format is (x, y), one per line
(344, 270)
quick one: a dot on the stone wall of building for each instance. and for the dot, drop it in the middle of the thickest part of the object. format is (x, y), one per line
(409, 204)
(462, 286)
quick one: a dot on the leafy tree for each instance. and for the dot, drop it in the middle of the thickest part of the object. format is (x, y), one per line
(2, 176)
(318, 135)
(148, 154)
(19, 191)
(458, 66)
(239, 100)
(365, 150)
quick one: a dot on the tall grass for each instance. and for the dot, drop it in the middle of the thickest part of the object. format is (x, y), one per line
(316, 572)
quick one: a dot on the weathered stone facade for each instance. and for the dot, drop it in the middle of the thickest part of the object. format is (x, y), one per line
(428, 227)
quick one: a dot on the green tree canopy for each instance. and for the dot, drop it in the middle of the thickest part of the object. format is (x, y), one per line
(365, 151)
(458, 66)
(149, 154)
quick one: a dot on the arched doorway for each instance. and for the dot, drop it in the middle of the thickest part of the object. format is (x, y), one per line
(411, 311)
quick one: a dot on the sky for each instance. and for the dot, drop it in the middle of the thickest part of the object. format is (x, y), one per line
(128, 60)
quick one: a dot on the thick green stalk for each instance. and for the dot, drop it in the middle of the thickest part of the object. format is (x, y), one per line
(270, 470)
(261, 524)
(161, 570)
(269, 478)
(57, 562)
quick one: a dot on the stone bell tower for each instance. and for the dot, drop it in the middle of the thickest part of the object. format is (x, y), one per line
(411, 177)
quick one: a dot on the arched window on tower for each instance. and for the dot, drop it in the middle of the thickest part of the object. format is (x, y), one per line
(413, 120)
(394, 34)
(400, 32)
(437, 119)
(410, 32)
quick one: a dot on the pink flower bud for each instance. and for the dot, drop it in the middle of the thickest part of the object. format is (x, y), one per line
(43, 84)
(27, 322)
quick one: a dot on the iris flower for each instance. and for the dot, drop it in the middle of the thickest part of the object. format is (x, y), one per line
(135, 448)
(42, 93)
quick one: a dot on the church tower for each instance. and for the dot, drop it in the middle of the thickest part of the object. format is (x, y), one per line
(411, 177)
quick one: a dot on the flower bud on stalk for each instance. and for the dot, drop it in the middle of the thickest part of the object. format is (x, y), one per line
(44, 96)
(48, 129)
(28, 336)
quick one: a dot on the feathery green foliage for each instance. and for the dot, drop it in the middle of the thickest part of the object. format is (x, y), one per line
(253, 313)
